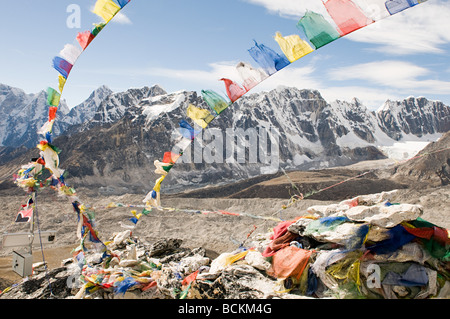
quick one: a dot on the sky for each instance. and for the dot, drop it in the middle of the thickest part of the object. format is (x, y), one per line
(190, 45)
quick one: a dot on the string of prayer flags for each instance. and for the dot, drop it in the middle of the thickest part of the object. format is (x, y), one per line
(267, 58)
(293, 46)
(318, 30)
(347, 16)
(234, 91)
(201, 117)
(215, 101)
(106, 9)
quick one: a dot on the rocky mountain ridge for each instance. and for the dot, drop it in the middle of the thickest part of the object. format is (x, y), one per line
(113, 148)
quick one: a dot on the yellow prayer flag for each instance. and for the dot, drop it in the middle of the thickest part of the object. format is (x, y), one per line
(62, 82)
(106, 9)
(157, 187)
(293, 46)
(200, 116)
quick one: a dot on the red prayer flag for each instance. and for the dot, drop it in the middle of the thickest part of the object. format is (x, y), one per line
(52, 113)
(234, 91)
(84, 38)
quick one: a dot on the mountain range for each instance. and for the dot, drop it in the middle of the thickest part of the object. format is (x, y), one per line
(110, 141)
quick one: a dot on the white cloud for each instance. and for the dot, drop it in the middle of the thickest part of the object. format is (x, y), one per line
(403, 76)
(294, 9)
(421, 29)
(121, 19)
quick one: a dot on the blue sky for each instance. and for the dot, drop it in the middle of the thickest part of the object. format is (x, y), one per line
(189, 45)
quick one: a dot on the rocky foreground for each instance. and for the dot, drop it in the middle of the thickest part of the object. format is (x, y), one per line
(365, 247)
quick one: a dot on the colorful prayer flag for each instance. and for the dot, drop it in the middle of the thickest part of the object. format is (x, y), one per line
(106, 9)
(53, 97)
(318, 30)
(62, 66)
(267, 58)
(293, 46)
(215, 101)
(85, 38)
(200, 116)
(234, 91)
(250, 76)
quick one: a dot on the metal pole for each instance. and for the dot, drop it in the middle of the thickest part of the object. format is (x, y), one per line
(33, 196)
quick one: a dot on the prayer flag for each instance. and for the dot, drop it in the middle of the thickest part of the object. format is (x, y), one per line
(200, 116)
(293, 46)
(234, 91)
(62, 66)
(85, 38)
(53, 97)
(267, 58)
(106, 9)
(215, 101)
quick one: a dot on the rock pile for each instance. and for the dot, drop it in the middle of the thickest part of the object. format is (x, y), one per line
(365, 247)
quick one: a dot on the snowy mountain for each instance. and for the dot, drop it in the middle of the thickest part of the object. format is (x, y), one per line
(114, 147)
(22, 115)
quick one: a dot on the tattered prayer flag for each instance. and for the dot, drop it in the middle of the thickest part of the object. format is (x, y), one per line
(396, 6)
(250, 76)
(62, 83)
(85, 38)
(51, 158)
(70, 53)
(53, 97)
(24, 216)
(158, 182)
(47, 127)
(106, 9)
(215, 101)
(200, 116)
(318, 31)
(162, 168)
(170, 157)
(187, 130)
(62, 66)
(97, 28)
(373, 9)
(347, 16)
(267, 58)
(93, 234)
(234, 91)
(123, 3)
(135, 214)
(293, 46)
(52, 113)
